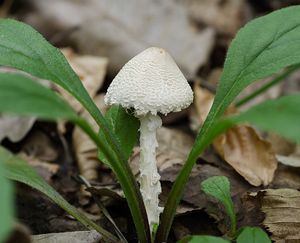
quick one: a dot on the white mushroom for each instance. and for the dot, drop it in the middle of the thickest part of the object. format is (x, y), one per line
(151, 82)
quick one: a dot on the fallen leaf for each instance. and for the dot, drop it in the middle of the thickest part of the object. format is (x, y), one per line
(280, 144)
(287, 152)
(286, 177)
(39, 145)
(91, 71)
(240, 146)
(85, 148)
(129, 28)
(68, 237)
(226, 16)
(14, 128)
(282, 210)
(45, 169)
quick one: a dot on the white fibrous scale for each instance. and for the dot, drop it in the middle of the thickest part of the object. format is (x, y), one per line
(150, 82)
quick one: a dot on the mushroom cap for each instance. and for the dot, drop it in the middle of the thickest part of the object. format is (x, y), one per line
(150, 82)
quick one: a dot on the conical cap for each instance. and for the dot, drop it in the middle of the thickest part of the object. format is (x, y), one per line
(150, 82)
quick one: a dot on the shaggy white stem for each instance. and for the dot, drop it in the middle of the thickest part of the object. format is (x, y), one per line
(149, 177)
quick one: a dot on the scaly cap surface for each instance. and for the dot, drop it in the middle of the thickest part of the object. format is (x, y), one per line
(150, 82)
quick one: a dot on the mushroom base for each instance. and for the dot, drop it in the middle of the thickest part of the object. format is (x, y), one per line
(149, 178)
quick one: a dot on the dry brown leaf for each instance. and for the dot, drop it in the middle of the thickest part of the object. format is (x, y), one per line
(287, 152)
(39, 145)
(14, 128)
(44, 168)
(282, 210)
(120, 30)
(226, 16)
(241, 147)
(91, 71)
(251, 156)
(85, 148)
(286, 177)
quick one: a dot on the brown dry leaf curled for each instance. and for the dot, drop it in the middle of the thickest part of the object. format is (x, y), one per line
(241, 147)
(282, 210)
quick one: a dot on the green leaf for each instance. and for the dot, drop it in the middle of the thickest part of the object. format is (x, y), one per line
(253, 235)
(219, 188)
(20, 94)
(125, 126)
(263, 47)
(19, 170)
(280, 115)
(24, 48)
(6, 204)
(203, 239)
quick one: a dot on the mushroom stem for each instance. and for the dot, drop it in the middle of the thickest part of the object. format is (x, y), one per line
(149, 177)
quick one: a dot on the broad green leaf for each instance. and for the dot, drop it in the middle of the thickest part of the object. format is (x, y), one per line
(263, 47)
(219, 188)
(19, 170)
(203, 239)
(24, 48)
(125, 126)
(253, 235)
(6, 204)
(280, 115)
(21, 95)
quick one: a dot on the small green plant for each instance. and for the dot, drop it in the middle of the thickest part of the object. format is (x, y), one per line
(263, 47)
(218, 187)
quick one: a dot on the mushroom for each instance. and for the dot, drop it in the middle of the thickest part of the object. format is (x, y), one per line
(150, 82)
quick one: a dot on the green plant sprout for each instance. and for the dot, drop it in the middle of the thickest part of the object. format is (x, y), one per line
(218, 187)
(263, 47)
